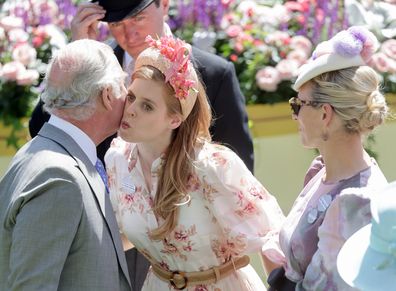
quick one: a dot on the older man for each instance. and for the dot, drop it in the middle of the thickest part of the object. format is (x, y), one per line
(57, 227)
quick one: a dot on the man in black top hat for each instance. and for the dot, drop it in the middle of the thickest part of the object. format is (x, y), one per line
(130, 21)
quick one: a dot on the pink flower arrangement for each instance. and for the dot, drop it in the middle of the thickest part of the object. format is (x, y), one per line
(178, 53)
(265, 52)
(268, 42)
(384, 61)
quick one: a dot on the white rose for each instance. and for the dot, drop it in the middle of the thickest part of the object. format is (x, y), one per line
(11, 22)
(27, 77)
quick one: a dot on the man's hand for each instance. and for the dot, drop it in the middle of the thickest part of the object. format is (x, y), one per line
(85, 23)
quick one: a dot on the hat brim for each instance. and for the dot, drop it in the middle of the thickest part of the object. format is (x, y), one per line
(325, 63)
(358, 264)
(118, 15)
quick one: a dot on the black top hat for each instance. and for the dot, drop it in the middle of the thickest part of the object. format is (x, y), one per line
(117, 10)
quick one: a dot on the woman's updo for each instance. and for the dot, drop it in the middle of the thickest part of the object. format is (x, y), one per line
(354, 95)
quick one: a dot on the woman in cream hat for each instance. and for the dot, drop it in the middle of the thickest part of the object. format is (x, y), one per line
(337, 104)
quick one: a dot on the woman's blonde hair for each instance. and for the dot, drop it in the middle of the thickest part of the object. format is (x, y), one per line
(355, 96)
(178, 164)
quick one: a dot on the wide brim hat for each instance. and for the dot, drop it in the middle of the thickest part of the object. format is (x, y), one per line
(348, 48)
(117, 10)
(367, 260)
(360, 266)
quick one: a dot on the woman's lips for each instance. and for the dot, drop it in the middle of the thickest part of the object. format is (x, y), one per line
(125, 125)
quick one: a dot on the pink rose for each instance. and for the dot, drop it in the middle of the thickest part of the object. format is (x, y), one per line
(299, 56)
(233, 31)
(382, 63)
(25, 54)
(287, 69)
(268, 78)
(389, 48)
(11, 70)
(226, 2)
(300, 42)
(27, 77)
(11, 22)
(279, 38)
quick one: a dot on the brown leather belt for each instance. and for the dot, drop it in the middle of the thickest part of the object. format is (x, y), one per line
(180, 280)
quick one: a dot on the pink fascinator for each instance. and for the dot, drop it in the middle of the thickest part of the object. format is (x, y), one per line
(172, 57)
(348, 48)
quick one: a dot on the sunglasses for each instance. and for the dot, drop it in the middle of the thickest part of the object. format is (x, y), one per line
(296, 104)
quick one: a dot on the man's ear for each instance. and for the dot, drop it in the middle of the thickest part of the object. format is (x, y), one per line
(107, 97)
(176, 120)
(165, 7)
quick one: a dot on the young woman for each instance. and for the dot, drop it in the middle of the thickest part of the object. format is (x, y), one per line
(338, 103)
(191, 206)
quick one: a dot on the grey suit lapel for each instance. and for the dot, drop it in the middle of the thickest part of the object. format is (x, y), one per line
(95, 182)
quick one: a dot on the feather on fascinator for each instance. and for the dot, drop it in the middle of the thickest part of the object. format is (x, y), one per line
(348, 48)
(172, 57)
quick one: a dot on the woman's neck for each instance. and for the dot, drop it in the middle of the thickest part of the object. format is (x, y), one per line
(344, 158)
(147, 155)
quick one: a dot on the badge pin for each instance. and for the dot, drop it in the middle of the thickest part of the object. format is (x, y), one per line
(312, 216)
(324, 202)
(127, 185)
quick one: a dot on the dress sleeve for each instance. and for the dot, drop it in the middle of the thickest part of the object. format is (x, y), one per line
(348, 212)
(248, 214)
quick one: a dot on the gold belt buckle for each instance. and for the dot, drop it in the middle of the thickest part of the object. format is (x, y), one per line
(181, 276)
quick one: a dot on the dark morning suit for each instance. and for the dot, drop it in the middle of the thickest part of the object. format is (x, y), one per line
(230, 125)
(57, 227)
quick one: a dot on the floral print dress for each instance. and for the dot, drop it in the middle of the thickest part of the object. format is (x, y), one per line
(230, 214)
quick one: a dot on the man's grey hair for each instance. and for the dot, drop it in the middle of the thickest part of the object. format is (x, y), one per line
(76, 76)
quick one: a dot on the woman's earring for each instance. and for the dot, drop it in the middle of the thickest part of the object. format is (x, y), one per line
(325, 136)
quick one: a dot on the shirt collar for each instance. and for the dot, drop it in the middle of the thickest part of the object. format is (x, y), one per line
(80, 137)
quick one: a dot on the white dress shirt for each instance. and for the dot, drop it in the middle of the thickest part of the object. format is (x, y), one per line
(80, 137)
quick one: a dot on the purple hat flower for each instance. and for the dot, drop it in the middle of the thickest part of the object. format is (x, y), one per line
(348, 48)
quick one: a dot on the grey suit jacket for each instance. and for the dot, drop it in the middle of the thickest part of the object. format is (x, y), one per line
(57, 226)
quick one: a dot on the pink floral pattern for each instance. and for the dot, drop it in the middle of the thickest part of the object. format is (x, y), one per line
(230, 214)
(178, 53)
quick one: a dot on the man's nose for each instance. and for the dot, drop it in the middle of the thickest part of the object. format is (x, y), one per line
(130, 30)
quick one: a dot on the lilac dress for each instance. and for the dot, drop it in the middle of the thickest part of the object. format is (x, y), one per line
(230, 214)
(320, 221)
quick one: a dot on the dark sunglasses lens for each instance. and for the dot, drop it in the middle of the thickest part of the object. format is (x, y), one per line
(295, 108)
